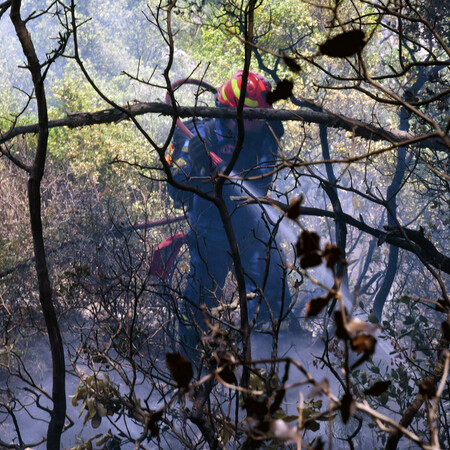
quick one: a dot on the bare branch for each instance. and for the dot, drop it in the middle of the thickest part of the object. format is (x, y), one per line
(330, 120)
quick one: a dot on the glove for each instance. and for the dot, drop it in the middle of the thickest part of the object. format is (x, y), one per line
(198, 155)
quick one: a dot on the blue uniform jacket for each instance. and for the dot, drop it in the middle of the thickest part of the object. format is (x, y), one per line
(256, 159)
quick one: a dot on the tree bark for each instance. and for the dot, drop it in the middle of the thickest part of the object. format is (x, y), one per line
(36, 172)
(391, 203)
(112, 115)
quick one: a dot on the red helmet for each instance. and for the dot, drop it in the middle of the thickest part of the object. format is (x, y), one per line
(255, 96)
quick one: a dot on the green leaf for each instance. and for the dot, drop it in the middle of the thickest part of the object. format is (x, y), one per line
(313, 426)
(409, 320)
(372, 318)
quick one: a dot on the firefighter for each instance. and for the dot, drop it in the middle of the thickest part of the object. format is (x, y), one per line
(210, 256)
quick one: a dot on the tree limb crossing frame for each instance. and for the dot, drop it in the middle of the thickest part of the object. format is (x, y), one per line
(360, 129)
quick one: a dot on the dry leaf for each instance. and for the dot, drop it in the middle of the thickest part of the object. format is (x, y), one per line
(227, 373)
(363, 343)
(344, 44)
(292, 64)
(180, 368)
(446, 330)
(332, 255)
(282, 92)
(308, 242)
(310, 260)
(356, 326)
(340, 332)
(294, 208)
(315, 305)
(153, 423)
(380, 387)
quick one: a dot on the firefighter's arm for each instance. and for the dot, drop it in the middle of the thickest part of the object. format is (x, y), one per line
(193, 162)
(266, 159)
(199, 156)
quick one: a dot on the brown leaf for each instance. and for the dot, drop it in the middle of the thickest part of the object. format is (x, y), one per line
(347, 407)
(344, 44)
(227, 373)
(315, 305)
(380, 387)
(356, 326)
(294, 208)
(292, 64)
(282, 92)
(332, 255)
(363, 343)
(310, 260)
(427, 388)
(153, 423)
(180, 368)
(255, 408)
(309, 242)
(340, 332)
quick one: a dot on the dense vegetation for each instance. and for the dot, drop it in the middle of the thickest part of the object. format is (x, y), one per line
(90, 354)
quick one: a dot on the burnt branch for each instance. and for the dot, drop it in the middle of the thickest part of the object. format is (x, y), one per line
(115, 115)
